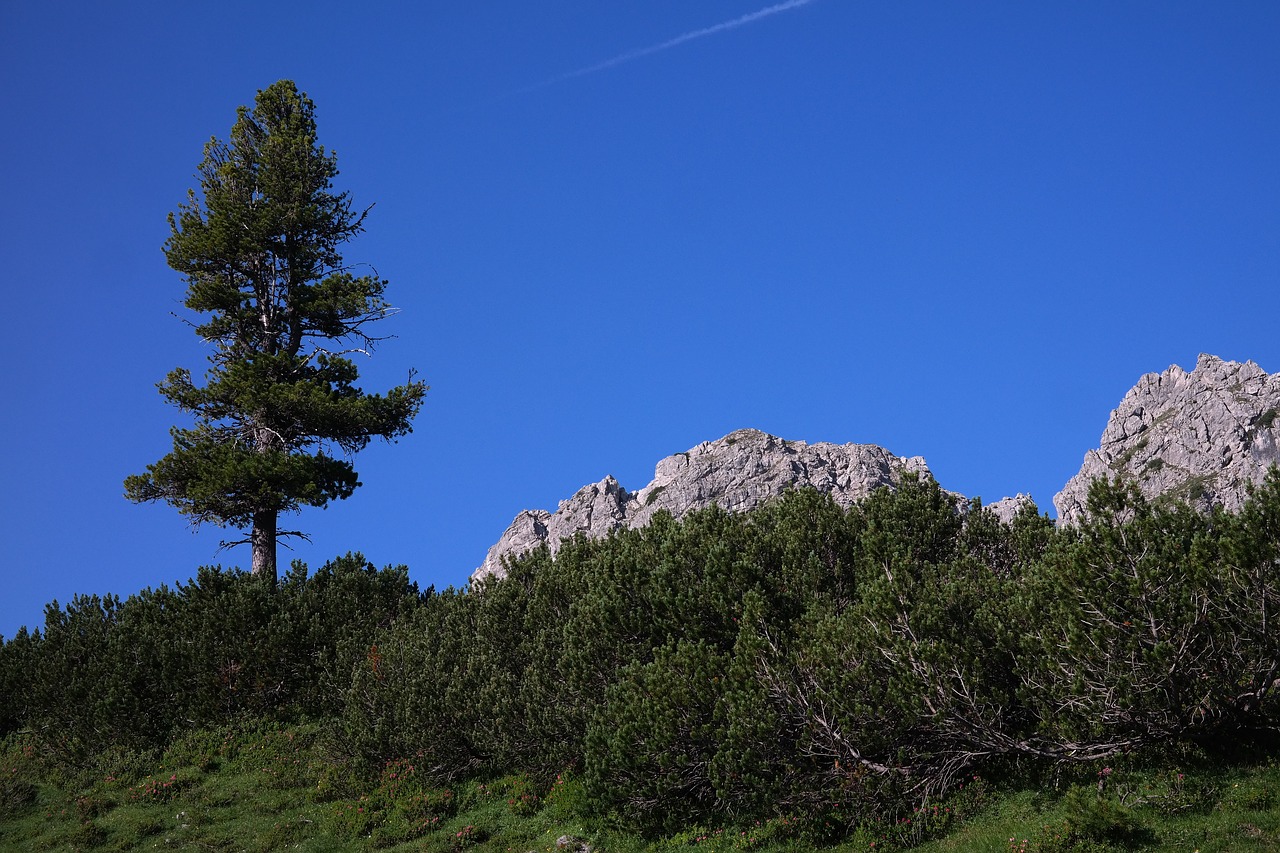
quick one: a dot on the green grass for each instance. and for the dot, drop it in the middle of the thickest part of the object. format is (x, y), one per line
(1223, 810)
(269, 787)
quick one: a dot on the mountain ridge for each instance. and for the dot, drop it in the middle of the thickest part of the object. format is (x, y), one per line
(1203, 435)
(738, 472)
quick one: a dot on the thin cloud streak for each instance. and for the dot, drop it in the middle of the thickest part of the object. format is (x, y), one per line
(669, 43)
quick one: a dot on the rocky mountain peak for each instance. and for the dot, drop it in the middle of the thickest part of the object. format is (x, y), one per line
(737, 472)
(1202, 436)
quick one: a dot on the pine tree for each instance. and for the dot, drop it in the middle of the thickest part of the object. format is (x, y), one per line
(259, 248)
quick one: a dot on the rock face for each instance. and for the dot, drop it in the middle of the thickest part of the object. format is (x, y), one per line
(738, 472)
(1006, 508)
(1200, 436)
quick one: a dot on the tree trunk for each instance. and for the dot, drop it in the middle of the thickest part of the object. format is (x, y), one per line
(263, 541)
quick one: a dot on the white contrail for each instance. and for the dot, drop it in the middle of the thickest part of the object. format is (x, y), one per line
(669, 43)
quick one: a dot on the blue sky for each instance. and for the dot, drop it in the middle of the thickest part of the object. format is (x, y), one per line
(957, 230)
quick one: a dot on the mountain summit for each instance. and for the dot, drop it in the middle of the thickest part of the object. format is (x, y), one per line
(1202, 436)
(738, 472)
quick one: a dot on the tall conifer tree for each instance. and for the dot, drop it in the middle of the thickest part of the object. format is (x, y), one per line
(259, 248)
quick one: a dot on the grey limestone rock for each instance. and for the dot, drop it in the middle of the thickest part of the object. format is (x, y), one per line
(1006, 508)
(1202, 436)
(738, 472)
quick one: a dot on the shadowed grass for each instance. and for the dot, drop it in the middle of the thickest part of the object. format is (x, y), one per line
(274, 787)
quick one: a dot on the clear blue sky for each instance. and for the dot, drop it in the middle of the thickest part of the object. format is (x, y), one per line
(957, 230)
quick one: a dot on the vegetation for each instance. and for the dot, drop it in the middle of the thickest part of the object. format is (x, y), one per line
(259, 248)
(801, 676)
(906, 673)
(269, 786)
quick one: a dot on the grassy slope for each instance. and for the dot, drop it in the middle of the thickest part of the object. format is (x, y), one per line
(275, 788)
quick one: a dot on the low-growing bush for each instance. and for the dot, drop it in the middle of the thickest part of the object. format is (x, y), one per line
(16, 796)
(110, 674)
(803, 674)
(1094, 816)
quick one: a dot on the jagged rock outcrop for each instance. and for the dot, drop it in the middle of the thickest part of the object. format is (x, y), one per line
(1006, 508)
(738, 472)
(1200, 436)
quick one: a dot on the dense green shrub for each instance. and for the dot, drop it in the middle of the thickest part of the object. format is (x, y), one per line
(1094, 816)
(809, 668)
(77, 698)
(729, 664)
(650, 750)
(17, 658)
(105, 673)
(1151, 624)
(1250, 576)
(325, 625)
(411, 696)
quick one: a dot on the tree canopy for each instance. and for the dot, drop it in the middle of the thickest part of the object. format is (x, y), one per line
(278, 416)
